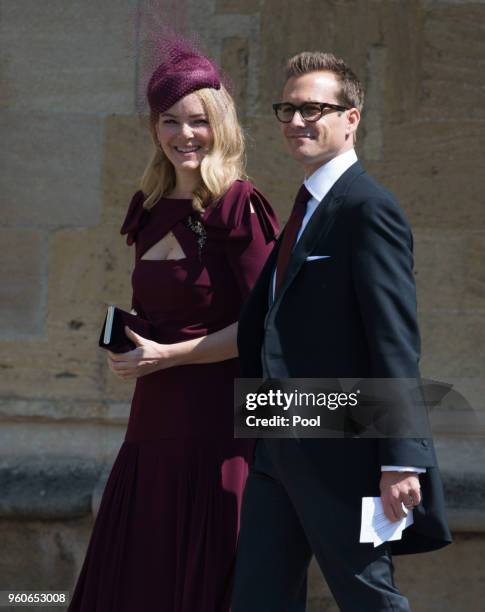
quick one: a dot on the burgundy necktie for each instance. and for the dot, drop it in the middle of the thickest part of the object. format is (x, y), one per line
(291, 232)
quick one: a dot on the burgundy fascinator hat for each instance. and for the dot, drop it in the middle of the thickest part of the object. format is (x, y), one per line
(184, 71)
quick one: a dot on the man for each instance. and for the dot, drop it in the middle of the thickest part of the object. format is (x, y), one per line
(336, 299)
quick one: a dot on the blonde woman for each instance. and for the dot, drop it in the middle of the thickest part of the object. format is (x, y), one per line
(165, 535)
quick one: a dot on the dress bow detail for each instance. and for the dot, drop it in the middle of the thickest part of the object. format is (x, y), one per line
(234, 213)
(136, 218)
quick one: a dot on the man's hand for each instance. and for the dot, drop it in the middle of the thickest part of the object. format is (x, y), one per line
(397, 488)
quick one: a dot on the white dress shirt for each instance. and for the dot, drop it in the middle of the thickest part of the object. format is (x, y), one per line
(319, 184)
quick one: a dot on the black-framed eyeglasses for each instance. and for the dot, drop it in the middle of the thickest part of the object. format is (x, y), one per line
(309, 111)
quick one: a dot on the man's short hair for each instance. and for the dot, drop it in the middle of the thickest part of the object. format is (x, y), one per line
(351, 90)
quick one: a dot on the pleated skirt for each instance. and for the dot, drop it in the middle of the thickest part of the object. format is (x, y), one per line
(166, 532)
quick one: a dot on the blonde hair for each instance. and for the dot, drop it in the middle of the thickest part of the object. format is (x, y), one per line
(224, 163)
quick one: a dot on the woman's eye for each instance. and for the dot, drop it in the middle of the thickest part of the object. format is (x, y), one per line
(195, 122)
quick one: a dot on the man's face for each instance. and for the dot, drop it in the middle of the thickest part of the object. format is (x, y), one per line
(314, 144)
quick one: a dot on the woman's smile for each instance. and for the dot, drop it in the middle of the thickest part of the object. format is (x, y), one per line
(187, 151)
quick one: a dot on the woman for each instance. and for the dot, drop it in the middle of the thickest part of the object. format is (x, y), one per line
(166, 531)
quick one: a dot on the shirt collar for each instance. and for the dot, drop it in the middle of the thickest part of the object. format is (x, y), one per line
(323, 179)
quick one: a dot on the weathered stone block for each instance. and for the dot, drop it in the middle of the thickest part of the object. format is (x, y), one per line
(80, 289)
(474, 294)
(23, 283)
(240, 7)
(449, 270)
(235, 60)
(450, 73)
(50, 169)
(42, 438)
(439, 269)
(461, 405)
(42, 555)
(459, 456)
(299, 27)
(433, 3)
(270, 166)
(117, 389)
(63, 410)
(401, 28)
(350, 30)
(448, 579)
(465, 491)
(46, 490)
(214, 27)
(127, 148)
(435, 169)
(68, 56)
(85, 274)
(371, 127)
(453, 344)
(90, 269)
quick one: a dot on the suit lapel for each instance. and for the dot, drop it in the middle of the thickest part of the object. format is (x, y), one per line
(319, 224)
(317, 227)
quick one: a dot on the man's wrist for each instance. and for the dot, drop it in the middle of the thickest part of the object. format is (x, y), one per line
(401, 468)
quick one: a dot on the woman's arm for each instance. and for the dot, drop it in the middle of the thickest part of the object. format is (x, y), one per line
(218, 346)
(150, 356)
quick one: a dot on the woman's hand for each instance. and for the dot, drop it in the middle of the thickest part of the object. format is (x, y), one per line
(147, 357)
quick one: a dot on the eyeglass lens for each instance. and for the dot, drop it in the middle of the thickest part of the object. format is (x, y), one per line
(309, 112)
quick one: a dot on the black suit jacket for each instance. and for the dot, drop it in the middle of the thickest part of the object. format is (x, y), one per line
(350, 315)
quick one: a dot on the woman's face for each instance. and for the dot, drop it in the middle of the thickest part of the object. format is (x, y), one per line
(184, 133)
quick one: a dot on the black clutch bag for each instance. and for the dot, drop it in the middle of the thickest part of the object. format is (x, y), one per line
(113, 335)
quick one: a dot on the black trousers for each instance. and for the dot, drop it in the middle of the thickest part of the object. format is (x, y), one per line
(287, 516)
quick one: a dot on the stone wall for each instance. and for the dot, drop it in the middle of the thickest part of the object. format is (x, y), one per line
(73, 149)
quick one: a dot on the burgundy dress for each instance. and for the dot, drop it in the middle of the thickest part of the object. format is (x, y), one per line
(166, 531)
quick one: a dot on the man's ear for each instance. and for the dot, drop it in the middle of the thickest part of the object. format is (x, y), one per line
(353, 120)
